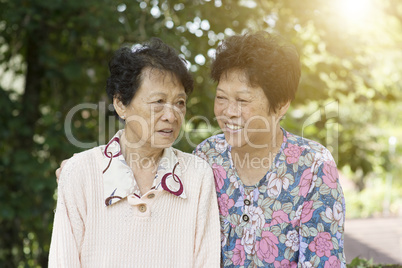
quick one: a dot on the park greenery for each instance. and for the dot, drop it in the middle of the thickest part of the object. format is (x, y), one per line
(54, 56)
(364, 263)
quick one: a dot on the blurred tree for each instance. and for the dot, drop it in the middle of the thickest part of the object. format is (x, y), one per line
(56, 46)
(351, 62)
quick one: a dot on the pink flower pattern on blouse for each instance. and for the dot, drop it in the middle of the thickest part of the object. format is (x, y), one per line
(238, 254)
(219, 175)
(331, 176)
(285, 264)
(279, 217)
(322, 245)
(267, 248)
(332, 262)
(293, 217)
(307, 212)
(293, 153)
(225, 203)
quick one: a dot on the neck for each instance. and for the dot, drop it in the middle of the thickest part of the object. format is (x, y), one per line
(140, 156)
(266, 147)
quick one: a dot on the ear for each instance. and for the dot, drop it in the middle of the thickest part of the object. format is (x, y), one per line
(119, 108)
(283, 109)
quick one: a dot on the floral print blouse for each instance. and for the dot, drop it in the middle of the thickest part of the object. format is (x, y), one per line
(293, 217)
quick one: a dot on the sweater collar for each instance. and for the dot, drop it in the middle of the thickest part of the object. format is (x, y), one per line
(119, 181)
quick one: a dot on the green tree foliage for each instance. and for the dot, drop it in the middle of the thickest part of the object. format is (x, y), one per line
(351, 85)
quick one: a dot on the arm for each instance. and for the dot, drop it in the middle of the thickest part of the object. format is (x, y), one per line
(68, 226)
(59, 170)
(322, 220)
(207, 241)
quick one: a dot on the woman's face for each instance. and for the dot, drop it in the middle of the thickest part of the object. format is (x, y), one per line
(155, 114)
(242, 112)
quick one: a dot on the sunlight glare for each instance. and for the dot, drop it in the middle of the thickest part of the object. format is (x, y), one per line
(355, 10)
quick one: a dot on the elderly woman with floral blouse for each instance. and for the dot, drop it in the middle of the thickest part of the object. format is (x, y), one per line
(280, 201)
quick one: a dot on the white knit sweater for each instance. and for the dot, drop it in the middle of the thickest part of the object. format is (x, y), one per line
(175, 231)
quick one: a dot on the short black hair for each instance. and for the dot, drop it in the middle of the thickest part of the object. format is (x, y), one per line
(127, 66)
(267, 60)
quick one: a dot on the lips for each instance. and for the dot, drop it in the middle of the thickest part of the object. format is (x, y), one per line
(233, 128)
(166, 131)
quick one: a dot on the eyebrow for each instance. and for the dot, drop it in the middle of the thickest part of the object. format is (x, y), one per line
(238, 91)
(182, 95)
(164, 94)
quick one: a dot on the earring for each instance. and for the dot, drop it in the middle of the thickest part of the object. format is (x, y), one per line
(123, 117)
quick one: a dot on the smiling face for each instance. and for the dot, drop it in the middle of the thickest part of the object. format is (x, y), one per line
(242, 112)
(155, 114)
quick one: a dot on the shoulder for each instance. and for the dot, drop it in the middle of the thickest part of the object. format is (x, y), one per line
(83, 159)
(307, 148)
(211, 141)
(196, 171)
(216, 143)
(192, 162)
(80, 164)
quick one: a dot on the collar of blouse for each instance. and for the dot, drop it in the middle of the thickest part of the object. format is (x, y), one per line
(119, 181)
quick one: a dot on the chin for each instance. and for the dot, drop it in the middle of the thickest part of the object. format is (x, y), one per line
(163, 144)
(235, 143)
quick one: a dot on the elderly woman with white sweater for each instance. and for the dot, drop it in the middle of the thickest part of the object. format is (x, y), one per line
(136, 201)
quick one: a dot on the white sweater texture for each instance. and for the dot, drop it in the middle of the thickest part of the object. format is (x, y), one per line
(175, 232)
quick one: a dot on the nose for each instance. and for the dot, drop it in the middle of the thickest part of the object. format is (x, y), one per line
(169, 114)
(233, 109)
